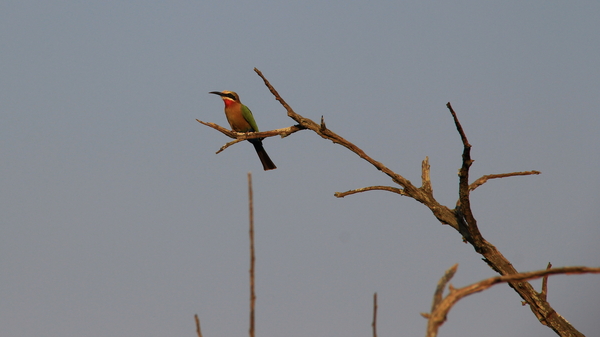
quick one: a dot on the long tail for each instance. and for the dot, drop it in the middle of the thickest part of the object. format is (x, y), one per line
(262, 154)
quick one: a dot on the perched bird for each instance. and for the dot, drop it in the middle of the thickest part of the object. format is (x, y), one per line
(241, 120)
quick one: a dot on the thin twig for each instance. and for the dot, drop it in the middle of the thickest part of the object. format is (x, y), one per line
(374, 324)
(323, 126)
(198, 325)
(228, 145)
(485, 178)
(252, 258)
(439, 290)
(463, 136)
(544, 293)
(225, 131)
(370, 188)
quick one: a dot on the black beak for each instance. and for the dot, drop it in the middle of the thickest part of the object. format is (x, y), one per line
(217, 93)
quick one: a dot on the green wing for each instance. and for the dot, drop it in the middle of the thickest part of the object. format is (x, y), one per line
(247, 114)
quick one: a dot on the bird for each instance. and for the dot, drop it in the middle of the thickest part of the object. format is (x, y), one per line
(241, 120)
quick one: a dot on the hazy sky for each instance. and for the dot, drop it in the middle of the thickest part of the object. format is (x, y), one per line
(118, 219)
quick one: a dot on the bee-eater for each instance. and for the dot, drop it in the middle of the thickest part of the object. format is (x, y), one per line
(241, 120)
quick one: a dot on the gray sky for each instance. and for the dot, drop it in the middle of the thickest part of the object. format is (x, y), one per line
(118, 219)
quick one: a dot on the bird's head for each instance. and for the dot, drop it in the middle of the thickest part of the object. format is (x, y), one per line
(228, 97)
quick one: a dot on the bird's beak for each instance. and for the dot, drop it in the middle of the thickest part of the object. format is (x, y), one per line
(216, 93)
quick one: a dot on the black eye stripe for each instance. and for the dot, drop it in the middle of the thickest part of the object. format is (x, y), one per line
(230, 96)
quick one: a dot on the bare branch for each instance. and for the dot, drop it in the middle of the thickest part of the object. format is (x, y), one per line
(374, 324)
(463, 205)
(425, 177)
(439, 290)
(322, 131)
(437, 317)
(225, 131)
(485, 178)
(470, 231)
(228, 145)
(463, 136)
(370, 188)
(283, 132)
(442, 213)
(252, 258)
(544, 293)
(241, 136)
(198, 325)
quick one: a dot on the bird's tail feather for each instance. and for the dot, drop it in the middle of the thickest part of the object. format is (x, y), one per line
(262, 154)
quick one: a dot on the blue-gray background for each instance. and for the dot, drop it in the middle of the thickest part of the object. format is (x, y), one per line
(118, 219)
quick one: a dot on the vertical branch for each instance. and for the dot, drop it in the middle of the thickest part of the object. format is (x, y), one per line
(252, 259)
(425, 176)
(198, 325)
(463, 208)
(374, 324)
(438, 295)
(544, 293)
(435, 320)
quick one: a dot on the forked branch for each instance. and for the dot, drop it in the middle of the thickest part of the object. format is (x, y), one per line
(442, 305)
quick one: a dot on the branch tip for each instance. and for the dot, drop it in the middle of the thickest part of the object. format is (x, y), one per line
(544, 293)
(198, 332)
(370, 188)
(425, 176)
(374, 324)
(487, 177)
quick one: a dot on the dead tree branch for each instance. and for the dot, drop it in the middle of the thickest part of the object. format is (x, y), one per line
(240, 136)
(374, 323)
(492, 256)
(441, 306)
(485, 178)
(370, 188)
(198, 326)
(442, 213)
(544, 293)
(252, 257)
(460, 218)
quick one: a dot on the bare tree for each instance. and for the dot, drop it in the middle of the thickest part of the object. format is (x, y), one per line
(460, 217)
